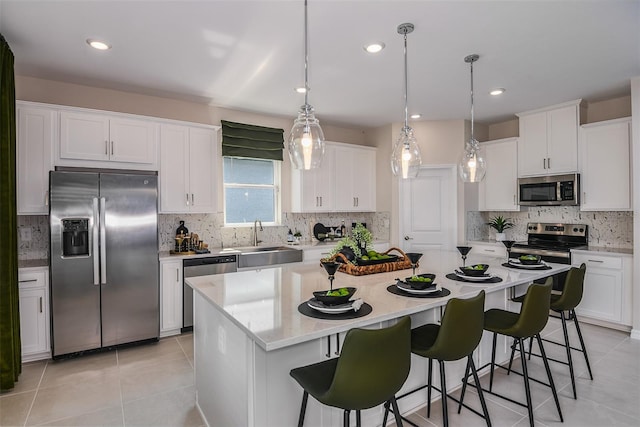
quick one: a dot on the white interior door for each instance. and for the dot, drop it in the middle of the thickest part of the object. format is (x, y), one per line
(428, 211)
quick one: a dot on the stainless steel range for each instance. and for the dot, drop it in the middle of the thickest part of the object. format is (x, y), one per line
(553, 242)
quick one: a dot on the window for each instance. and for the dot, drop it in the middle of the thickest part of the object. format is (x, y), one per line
(251, 190)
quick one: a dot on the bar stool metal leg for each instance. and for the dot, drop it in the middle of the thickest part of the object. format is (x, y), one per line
(493, 360)
(464, 383)
(485, 411)
(345, 418)
(567, 347)
(584, 349)
(443, 394)
(525, 374)
(429, 378)
(553, 386)
(303, 409)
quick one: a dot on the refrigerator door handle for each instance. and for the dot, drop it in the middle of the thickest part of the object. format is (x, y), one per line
(96, 240)
(103, 243)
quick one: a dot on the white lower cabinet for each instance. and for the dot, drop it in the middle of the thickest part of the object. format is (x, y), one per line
(33, 290)
(496, 249)
(607, 286)
(171, 287)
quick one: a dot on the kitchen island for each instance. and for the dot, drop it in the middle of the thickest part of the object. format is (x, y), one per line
(248, 334)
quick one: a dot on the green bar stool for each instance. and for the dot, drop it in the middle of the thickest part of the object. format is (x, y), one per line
(566, 302)
(531, 320)
(372, 367)
(457, 336)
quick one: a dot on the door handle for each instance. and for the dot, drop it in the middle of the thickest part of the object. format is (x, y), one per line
(40, 304)
(193, 203)
(27, 281)
(96, 242)
(106, 148)
(328, 346)
(595, 260)
(321, 201)
(46, 198)
(337, 353)
(408, 238)
(112, 148)
(549, 162)
(544, 163)
(103, 242)
(187, 194)
(177, 274)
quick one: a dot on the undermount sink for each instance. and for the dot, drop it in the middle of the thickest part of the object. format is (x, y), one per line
(258, 256)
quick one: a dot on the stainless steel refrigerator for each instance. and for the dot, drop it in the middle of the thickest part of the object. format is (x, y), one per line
(104, 260)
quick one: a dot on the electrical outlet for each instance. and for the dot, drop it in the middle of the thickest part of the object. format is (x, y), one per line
(25, 234)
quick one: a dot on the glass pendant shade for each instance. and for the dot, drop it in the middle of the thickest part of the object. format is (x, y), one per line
(472, 166)
(405, 158)
(306, 141)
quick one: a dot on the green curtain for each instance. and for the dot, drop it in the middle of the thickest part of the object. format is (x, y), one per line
(10, 366)
(258, 142)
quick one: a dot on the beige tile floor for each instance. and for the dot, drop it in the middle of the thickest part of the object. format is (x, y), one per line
(152, 385)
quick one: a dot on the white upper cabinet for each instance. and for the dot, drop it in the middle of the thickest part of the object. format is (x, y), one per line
(104, 138)
(355, 178)
(345, 182)
(187, 169)
(548, 142)
(313, 190)
(36, 130)
(605, 166)
(498, 191)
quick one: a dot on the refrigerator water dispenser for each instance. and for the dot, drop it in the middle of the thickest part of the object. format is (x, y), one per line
(75, 237)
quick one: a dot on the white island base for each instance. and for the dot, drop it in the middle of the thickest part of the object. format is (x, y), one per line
(248, 335)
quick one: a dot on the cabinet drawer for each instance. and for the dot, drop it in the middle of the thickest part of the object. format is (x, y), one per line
(599, 261)
(31, 279)
(487, 249)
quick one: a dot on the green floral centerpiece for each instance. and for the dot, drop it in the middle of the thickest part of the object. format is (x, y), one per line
(360, 242)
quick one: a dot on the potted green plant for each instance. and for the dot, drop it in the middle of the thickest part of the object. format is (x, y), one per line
(500, 224)
(298, 237)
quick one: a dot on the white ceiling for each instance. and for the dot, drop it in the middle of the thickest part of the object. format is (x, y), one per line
(248, 55)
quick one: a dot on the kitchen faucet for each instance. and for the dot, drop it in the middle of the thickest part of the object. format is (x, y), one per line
(255, 232)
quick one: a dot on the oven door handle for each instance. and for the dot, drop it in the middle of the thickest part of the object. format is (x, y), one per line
(541, 252)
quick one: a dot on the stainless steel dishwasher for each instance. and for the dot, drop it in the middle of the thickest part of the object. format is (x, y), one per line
(202, 267)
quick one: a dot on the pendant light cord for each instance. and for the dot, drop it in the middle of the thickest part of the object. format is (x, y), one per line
(472, 138)
(406, 84)
(306, 58)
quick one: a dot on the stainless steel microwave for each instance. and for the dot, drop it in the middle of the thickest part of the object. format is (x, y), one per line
(551, 190)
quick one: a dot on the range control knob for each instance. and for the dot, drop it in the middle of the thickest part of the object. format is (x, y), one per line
(575, 229)
(582, 230)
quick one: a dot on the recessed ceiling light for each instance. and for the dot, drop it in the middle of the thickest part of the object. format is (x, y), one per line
(301, 89)
(374, 47)
(497, 91)
(98, 44)
(416, 116)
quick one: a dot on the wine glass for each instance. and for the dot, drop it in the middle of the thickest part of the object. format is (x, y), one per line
(413, 257)
(464, 250)
(508, 244)
(331, 268)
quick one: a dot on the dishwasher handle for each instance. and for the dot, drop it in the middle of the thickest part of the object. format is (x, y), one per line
(209, 261)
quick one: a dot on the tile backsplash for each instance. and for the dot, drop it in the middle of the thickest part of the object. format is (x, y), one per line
(606, 229)
(33, 230)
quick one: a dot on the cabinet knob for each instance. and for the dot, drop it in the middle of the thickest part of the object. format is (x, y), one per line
(408, 238)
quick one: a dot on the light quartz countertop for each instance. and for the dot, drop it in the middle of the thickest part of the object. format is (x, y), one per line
(604, 250)
(264, 303)
(33, 263)
(328, 245)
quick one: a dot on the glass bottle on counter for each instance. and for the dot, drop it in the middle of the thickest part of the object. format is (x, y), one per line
(343, 229)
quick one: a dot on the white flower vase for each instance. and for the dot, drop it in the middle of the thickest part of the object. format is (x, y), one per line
(501, 236)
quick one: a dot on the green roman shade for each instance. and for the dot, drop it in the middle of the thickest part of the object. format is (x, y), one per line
(258, 142)
(10, 351)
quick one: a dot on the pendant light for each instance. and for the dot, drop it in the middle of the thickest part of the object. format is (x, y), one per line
(472, 166)
(405, 158)
(306, 140)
